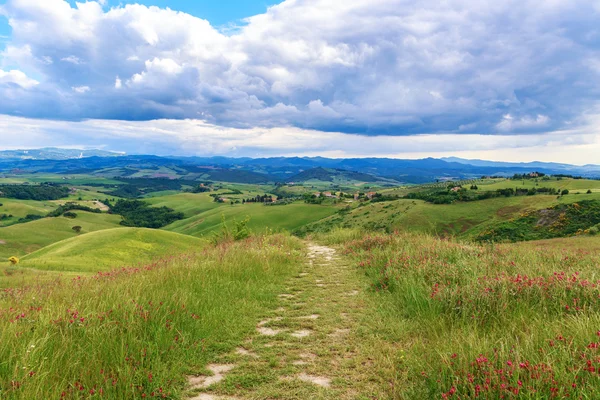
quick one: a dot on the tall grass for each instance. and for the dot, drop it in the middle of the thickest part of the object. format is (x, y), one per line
(137, 332)
(484, 321)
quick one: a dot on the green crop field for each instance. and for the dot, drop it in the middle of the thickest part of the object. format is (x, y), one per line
(262, 218)
(21, 239)
(111, 248)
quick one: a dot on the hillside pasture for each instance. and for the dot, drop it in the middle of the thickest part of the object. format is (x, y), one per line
(21, 239)
(262, 218)
(110, 248)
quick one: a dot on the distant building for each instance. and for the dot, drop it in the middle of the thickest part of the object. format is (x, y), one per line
(370, 195)
(456, 189)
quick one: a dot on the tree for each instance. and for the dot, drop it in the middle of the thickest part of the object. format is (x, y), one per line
(77, 229)
(589, 191)
(564, 192)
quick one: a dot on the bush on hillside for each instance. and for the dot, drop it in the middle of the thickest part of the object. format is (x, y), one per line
(13, 260)
(34, 192)
(137, 213)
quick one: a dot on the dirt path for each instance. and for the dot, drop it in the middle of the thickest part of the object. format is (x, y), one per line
(311, 347)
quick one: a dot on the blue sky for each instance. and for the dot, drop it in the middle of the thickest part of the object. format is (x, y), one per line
(218, 12)
(514, 80)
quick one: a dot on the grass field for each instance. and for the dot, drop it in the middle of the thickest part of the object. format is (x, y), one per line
(469, 321)
(262, 218)
(110, 248)
(137, 333)
(464, 219)
(21, 208)
(21, 239)
(576, 185)
(190, 204)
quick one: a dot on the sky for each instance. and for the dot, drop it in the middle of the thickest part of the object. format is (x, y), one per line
(511, 80)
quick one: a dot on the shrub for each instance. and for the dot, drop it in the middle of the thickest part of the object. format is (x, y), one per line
(13, 260)
(70, 215)
(77, 229)
(564, 192)
(589, 191)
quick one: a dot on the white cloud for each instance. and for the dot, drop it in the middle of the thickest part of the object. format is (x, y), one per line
(72, 60)
(372, 66)
(17, 77)
(509, 123)
(196, 137)
(81, 89)
(118, 83)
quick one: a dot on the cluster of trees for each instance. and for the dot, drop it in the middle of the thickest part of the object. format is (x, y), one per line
(200, 189)
(137, 187)
(562, 220)
(378, 197)
(4, 217)
(451, 195)
(43, 192)
(265, 198)
(311, 198)
(533, 175)
(137, 213)
(68, 207)
(29, 218)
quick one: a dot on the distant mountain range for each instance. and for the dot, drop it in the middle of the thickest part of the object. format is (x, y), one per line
(276, 169)
(52, 153)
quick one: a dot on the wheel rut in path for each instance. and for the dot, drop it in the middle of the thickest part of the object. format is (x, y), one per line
(309, 347)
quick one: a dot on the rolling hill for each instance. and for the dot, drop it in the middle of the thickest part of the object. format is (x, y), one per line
(21, 239)
(110, 248)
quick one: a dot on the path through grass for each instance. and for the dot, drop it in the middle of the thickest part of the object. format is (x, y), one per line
(317, 344)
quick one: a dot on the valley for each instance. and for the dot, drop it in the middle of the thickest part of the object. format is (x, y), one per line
(156, 282)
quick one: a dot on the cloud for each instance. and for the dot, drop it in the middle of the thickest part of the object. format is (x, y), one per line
(17, 78)
(374, 67)
(72, 60)
(81, 89)
(197, 137)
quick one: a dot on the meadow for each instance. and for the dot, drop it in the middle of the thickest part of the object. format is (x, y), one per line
(473, 321)
(122, 312)
(137, 332)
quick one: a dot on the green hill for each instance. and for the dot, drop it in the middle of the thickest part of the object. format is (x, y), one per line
(288, 217)
(463, 219)
(110, 248)
(18, 240)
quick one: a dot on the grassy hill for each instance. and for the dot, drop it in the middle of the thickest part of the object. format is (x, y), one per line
(110, 248)
(473, 321)
(288, 217)
(466, 219)
(20, 208)
(188, 203)
(21, 239)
